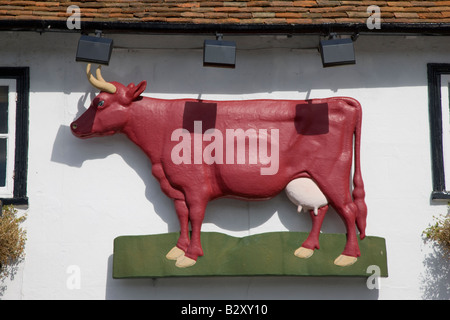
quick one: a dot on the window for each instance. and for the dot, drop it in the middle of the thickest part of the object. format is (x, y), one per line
(439, 109)
(14, 95)
(7, 136)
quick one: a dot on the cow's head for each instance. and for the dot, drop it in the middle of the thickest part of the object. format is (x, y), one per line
(109, 111)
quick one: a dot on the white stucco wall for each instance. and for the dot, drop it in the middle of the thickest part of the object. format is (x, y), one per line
(84, 193)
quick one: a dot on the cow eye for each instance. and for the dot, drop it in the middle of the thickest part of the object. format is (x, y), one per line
(100, 103)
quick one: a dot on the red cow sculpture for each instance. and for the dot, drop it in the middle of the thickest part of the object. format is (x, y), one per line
(203, 150)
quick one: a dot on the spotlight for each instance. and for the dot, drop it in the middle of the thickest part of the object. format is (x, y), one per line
(337, 52)
(219, 53)
(94, 49)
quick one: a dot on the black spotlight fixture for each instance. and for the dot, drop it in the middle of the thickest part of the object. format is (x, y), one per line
(337, 52)
(219, 53)
(94, 49)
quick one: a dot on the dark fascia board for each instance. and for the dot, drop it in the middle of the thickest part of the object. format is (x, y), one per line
(191, 28)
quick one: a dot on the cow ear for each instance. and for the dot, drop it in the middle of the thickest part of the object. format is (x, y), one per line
(135, 91)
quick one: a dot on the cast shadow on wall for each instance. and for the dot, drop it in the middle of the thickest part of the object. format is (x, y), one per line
(238, 288)
(74, 152)
(435, 281)
(240, 215)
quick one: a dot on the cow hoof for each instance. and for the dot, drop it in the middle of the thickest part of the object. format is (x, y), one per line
(303, 253)
(345, 261)
(175, 253)
(185, 262)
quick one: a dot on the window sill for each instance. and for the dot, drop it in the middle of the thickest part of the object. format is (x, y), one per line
(15, 201)
(440, 195)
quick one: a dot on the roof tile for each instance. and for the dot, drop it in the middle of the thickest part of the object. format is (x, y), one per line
(230, 11)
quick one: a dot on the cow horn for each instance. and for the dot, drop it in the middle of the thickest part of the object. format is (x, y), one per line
(99, 82)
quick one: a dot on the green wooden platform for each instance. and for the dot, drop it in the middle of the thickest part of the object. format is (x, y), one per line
(267, 254)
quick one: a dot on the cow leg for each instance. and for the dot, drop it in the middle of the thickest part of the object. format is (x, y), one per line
(183, 241)
(312, 242)
(194, 250)
(351, 251)
(181, 209)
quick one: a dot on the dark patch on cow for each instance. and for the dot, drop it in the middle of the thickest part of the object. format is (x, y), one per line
(199, 111)
(311, 118)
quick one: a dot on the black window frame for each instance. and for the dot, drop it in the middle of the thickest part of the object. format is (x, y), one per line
(435, 71)
(22, 77)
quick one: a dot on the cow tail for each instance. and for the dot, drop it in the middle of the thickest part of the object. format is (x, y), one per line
(358, 184)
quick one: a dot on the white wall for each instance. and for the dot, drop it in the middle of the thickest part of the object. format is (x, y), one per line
(84, 193)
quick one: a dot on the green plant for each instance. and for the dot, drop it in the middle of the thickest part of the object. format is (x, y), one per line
(439, 232)
(12, 239)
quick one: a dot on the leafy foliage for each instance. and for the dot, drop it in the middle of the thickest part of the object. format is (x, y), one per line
(440, 232)
(12, 239)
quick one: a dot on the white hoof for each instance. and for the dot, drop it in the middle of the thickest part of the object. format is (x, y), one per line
(303, 253)
(184, 262)
(175, 253)
(345, 261)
